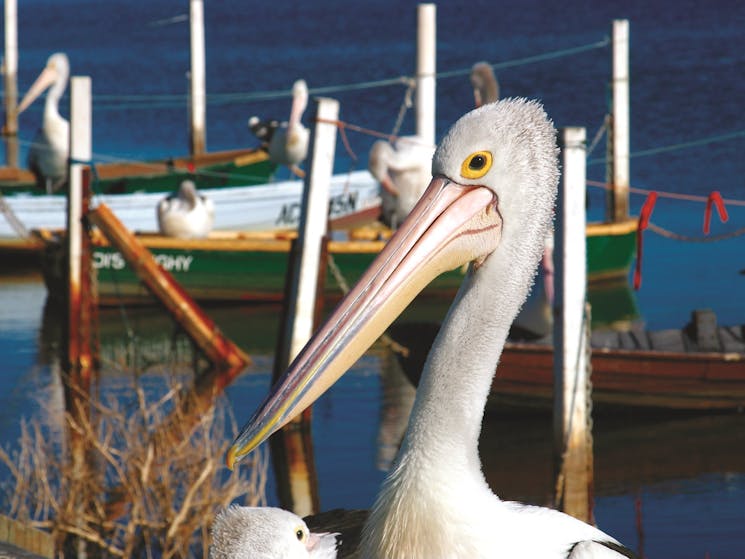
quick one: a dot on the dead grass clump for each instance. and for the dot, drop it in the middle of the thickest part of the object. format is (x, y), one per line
(146, 481)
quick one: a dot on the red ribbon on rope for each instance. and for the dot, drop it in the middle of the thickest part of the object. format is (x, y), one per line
(644, 215)
(714, 198)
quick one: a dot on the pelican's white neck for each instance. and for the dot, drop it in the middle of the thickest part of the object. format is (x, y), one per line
(437, 486)
(457, 377)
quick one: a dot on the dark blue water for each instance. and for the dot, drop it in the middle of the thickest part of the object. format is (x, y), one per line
(687, 84)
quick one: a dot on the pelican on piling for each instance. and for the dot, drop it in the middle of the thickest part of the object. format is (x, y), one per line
(490, 204)
(267, 533)
(47, 157)
(484, 83)
(403, 169)
(186, 213)
(289, 141)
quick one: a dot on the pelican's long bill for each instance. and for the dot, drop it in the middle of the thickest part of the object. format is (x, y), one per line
(45, 79)
(451, 225)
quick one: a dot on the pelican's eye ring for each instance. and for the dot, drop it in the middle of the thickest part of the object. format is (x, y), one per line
(476, 165)
(300, 534)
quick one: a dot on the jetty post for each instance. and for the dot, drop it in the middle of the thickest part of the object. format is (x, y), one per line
(572, 405)
(198, 81)
(617, 205)
(79, 361)
(292, 451)
(10, 73)
(426, 63)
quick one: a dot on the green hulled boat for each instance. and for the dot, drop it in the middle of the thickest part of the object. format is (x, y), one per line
(251, 267)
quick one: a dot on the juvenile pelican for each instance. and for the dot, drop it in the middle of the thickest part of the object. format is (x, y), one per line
(47, 157)
(186, 213)
(289, 142)
(267, 533)
(403, 170)
(484, 83)
(489, 203)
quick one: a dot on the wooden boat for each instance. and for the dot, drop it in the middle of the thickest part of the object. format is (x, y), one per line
(699, 367)
(245, 266)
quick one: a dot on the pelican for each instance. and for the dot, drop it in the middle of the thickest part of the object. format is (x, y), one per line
(403, 170)
(489, 204)
(484, 83)
(263, 129)
(186, 214)
(289, 142)
(267, 533)
(47, 157)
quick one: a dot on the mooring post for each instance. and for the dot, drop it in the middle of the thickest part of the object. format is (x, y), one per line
(78, 363)
(619, 176)
(426, 64)
(10, 70)
(198, 81)
(572, 432)
(292, 451)
(80, 155)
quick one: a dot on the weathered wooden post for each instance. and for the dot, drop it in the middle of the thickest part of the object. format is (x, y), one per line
(10, 69)
(426, 63)
(198, 84)
(291, 448)
(617, 207)
(572, 432)
(78, 360)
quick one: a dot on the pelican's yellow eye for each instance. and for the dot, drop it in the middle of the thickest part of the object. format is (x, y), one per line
(300, 534)
(476, 165)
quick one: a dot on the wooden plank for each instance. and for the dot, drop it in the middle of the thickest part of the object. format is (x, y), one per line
(26, 537)
(217, 347)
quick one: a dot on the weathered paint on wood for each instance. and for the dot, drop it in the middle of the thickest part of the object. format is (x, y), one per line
(26, 537)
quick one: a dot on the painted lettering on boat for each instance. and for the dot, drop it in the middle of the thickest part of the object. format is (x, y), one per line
(340, 204)
(115, 261)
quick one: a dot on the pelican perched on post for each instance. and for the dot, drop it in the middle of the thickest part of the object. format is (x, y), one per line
(186, 213)
(489, 203)
(47, 157)
(484, 83)
(267, 533)
(289, 142)
(403, 170)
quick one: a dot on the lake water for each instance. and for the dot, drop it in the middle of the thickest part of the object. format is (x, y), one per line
(667, 486)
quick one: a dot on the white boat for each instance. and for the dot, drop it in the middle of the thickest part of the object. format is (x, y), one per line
(274, 206)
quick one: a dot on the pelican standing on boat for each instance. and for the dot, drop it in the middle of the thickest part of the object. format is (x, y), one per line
(289, 142)
(490, 203)
(47, 156)
(484, 83)
(267, 533)
(186, 214)
(403, 171)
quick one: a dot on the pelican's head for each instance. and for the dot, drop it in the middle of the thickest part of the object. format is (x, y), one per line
(496, 168)
(57, 72)
(484, 83)
(267, 533)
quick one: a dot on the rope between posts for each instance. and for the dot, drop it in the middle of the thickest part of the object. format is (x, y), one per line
(691, 239)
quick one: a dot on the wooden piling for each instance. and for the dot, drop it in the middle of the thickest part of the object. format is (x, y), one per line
(78, 363)
(426, 68)
(572, 431)
(198, 81)
(10, 71)
(292, 451)
(617, 207)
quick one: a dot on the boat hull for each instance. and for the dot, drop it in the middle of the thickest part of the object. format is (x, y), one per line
(621, 377)
(263, 207)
